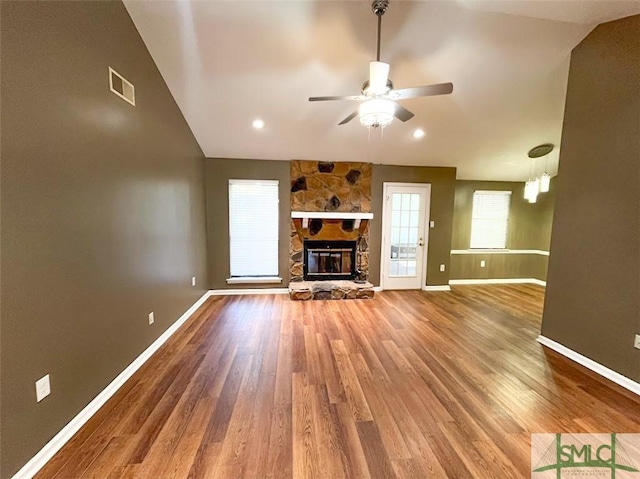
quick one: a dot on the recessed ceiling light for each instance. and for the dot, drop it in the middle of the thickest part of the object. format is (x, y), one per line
(258, 124)
(418, 133)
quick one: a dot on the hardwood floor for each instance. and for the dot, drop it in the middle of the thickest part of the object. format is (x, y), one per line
(408, 385)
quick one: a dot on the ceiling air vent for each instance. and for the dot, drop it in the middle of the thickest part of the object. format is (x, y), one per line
(121, 87)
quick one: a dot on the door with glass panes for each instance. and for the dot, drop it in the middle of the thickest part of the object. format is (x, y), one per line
(404, 241)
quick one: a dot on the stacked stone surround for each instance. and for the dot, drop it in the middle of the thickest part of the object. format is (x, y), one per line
(321, 186)
(335, 187)
(306, 290)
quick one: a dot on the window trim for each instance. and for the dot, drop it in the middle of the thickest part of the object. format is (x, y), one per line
(262, 278)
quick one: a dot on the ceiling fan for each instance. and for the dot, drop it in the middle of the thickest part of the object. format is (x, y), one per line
(378, 103)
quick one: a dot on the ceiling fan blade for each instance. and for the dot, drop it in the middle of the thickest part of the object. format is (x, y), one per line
(378, 75)
(329, 98)
(401, 113)
(349, 118)
(427, 90)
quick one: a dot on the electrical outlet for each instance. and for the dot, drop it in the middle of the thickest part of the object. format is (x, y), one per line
(193, 280)
(151, 318)
(43, 388)
(441, 267)
(636, 343)
(482, 264)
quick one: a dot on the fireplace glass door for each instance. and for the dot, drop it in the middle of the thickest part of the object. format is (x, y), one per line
(329, 260)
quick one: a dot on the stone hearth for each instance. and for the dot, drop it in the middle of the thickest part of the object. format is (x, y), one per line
(306, 290)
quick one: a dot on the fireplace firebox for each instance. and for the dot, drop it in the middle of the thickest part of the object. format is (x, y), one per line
(329, 260)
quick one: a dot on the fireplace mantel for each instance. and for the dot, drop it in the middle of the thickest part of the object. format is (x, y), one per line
(331, 215)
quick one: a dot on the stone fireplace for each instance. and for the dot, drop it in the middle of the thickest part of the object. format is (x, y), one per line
(331, 209)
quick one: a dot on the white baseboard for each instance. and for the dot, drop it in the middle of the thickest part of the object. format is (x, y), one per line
(443, 287)
(499, 281)
(38, 461)
(598, 368)
(235, 292)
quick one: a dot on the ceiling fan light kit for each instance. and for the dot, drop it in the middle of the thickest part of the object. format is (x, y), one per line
(377, 112)
(378, 99)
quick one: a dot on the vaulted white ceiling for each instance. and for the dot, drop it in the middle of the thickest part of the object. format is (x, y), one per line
(229, 62)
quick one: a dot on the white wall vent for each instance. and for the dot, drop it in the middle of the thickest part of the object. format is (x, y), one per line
(121, 87)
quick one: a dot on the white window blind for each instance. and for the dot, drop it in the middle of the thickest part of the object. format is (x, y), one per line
(490, 219)
(253, 227)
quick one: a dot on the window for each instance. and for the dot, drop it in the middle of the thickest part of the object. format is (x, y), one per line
(489, 219)
(253, 228)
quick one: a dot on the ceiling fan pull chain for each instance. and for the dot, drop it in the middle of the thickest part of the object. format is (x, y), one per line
(369, 145)
(381, 143)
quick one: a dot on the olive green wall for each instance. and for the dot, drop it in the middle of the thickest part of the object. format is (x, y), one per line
(545, 208)
(102, 212)
(499, 266)
(529, 229)
(442, 182)
(529, 223)
(219, 172)
(592, 302)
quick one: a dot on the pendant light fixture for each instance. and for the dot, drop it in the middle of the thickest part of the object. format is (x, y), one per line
(539, 184)
(545, 179)
(545, 182)
(531, 187)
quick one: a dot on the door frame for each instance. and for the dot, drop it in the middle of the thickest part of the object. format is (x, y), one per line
(385, 238)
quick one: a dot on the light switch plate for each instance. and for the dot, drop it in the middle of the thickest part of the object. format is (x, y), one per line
(151, 318)
(432, 224)
(636, 343)
(482, 264)
(441, 267)
(193, 281)
(43, 388)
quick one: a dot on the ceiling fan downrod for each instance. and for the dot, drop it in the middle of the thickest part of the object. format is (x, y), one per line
(379, 7)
